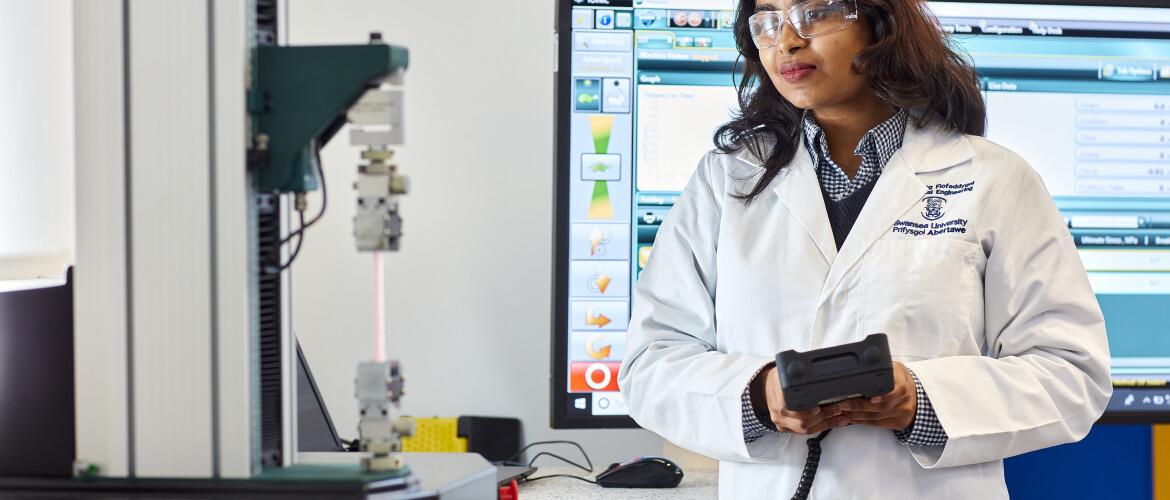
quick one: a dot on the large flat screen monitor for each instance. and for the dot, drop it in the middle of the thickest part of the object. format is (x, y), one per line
(1082, 91)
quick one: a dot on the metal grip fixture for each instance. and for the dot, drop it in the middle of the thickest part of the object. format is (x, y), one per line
(376, 123)
(379, 387)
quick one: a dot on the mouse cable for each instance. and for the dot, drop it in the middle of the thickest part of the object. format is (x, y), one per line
(587, 480)
(574, 443)
(563, 459)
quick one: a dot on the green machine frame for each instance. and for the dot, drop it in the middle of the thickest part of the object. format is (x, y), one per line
(300, 101)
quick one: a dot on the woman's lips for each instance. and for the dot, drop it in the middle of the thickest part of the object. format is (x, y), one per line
(794, 71)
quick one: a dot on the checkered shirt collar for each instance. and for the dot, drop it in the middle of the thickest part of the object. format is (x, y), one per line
(875, 149)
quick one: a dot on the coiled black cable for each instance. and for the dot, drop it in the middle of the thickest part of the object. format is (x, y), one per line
(810, 466)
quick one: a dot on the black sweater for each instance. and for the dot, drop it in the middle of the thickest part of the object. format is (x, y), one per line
(843, 213)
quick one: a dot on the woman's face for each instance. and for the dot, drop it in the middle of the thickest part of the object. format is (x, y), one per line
(816, 73)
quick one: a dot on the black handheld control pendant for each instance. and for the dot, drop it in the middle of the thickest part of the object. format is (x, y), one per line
(830, 375)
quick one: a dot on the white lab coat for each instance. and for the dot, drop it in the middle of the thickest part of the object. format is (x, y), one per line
(998, 321)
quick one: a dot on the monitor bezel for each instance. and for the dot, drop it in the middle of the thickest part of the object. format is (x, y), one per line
(1115, 417)
(560, 418)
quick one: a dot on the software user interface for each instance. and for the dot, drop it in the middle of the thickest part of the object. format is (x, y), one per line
(1082, 93)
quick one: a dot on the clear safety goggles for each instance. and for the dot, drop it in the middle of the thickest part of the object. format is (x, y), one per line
(809, 19)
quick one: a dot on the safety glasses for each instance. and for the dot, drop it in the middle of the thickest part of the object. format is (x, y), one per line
(809, 19)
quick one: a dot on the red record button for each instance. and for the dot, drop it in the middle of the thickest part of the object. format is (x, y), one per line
(589, 377)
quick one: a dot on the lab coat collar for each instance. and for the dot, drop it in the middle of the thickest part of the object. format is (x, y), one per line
(933, 147)
(925, 149)
(800, 190)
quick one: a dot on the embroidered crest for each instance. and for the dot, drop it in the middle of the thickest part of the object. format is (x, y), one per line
(934, 206)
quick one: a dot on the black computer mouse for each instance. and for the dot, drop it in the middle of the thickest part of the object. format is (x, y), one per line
(641, 472)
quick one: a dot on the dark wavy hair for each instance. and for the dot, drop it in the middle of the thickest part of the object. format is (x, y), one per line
(910, 65)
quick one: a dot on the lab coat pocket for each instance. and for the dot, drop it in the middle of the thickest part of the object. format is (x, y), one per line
(925, 295)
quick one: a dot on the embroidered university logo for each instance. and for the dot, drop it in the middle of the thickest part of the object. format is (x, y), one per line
(934, 205)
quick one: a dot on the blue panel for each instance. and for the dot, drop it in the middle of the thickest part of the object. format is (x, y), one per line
(1114, 461)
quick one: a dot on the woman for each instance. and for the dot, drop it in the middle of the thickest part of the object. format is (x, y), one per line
(853, 195)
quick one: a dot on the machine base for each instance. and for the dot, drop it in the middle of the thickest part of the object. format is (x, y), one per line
(447, 476)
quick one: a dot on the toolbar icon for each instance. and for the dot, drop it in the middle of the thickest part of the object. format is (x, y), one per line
(603, 167)
(597, 315)
(599, 282)
(649, 18)
(601, 352)
(615, 95)
(597, 346)
(588, 94)
(726, 19)
(596, 238)
(625, 20)
(599, 279)
(600, 320)
(582, 18)
(600, 241)
(605, 19)
(589, 377)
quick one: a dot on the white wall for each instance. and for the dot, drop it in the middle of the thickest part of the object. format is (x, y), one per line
(36, 138)
(470, 293)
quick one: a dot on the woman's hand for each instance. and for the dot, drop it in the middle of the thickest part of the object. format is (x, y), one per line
(895, 410)
(809, 421)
